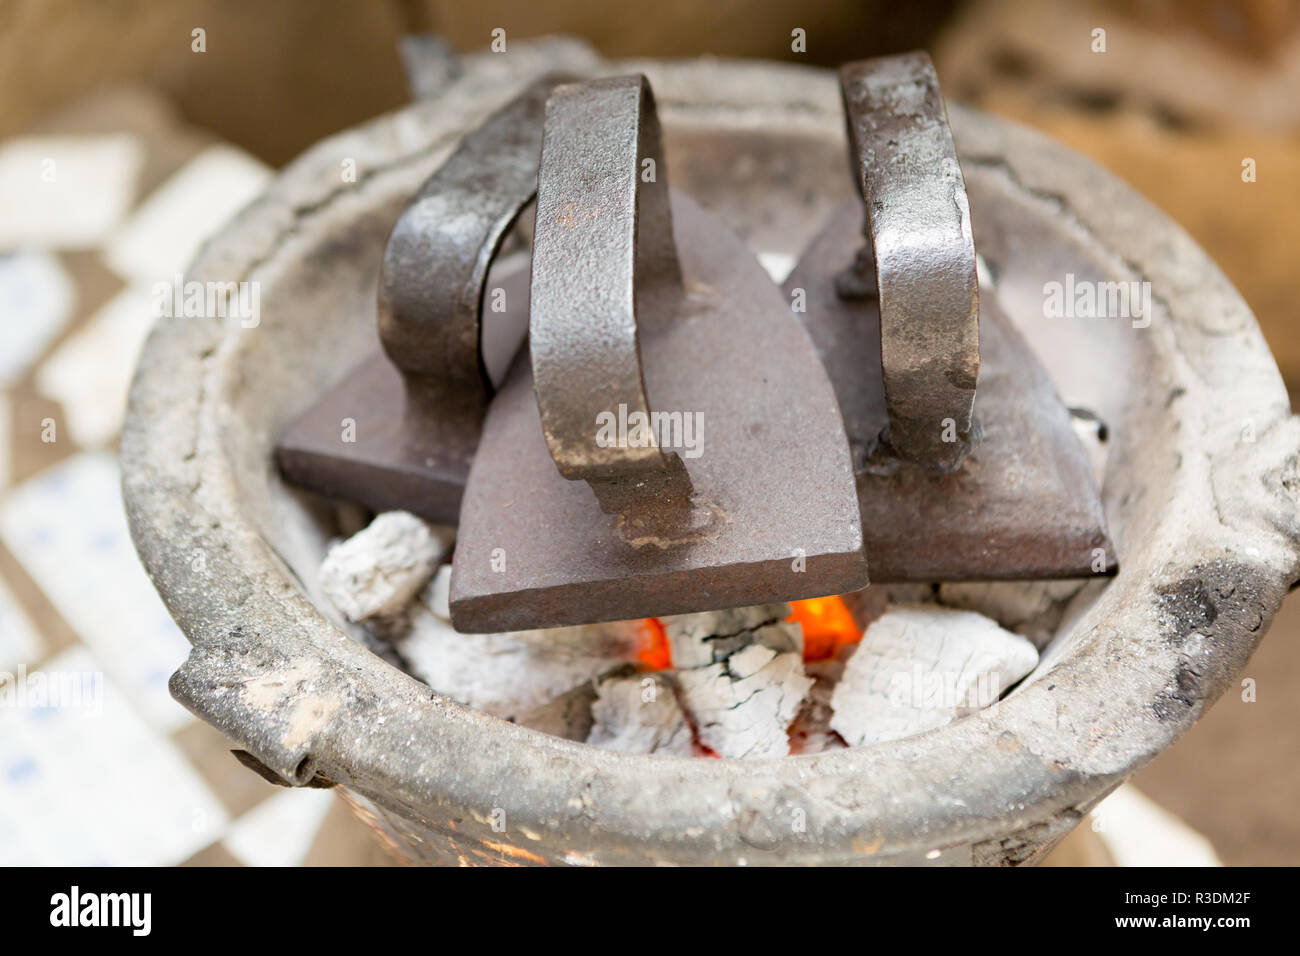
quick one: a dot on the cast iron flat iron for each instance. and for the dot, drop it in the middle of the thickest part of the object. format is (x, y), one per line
(416, 409)
(636, 291)
(787, 448)
(955, 482)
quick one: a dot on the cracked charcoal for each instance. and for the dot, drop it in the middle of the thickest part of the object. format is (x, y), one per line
(919, 667)
(376, 572)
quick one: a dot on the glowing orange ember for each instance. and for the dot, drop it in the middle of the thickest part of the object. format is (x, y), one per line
(827, 626)
(652, 646)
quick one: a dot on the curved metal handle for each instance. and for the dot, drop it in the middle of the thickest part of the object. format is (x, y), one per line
(436, 262)
(603, 250)
(919, 230)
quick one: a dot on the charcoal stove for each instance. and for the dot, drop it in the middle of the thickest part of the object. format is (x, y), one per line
(1195, 517)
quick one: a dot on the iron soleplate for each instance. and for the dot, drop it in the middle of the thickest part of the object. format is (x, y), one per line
(535, 550)
(1024, 504)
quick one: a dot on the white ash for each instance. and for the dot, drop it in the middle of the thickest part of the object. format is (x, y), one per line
(811, 731)
(741, 688)
(510, 675)
(1032, 609)
(640, 715)
(376, 572)
(922, 666)
(569, 715)
(710, 637)
(740, 677)
(743, 707)
(437, 596)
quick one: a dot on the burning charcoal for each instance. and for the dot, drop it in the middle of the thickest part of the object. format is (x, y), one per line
(640, 714)
(1032, 609)
(437, 596)
(711, 636)
(811, 731)
(829, 623)
(866, 605)
(376, 572)
(743, 706)
(569, 715)
(740, 677)
(919, 667)
(511, 675)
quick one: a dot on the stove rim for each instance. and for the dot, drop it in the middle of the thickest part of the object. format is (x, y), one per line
(1025, 780)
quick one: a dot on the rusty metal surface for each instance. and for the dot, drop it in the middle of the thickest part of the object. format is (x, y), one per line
(919, 237)
(1022, 505)
(603, 256)
(774, 514)
(414, 434)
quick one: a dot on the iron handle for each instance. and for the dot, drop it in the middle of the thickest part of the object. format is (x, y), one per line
(603, 251)
(919, 233)
(436, 262)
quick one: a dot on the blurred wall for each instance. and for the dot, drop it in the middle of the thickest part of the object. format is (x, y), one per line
(280, 74)
(1181, 96)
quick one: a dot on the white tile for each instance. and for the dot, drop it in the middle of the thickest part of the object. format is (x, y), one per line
(20, 644)
(37, 297)
(6, 441)
(167, 229)
(279, 831)
(66, 191)
(90, 373)
(67, 528)
(1139, 832)
(92, 784)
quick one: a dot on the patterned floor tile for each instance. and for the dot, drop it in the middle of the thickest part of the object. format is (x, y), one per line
(20, 644)
(165, 232)
(238, 788)
(6, 441)
(90, 373)
(213, 855)
(343, 840)
(67, 528)
(281, 830)
(37, 299)
(66, 191)
(88, 782)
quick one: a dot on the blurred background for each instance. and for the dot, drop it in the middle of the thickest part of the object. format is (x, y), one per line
(154, 143)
